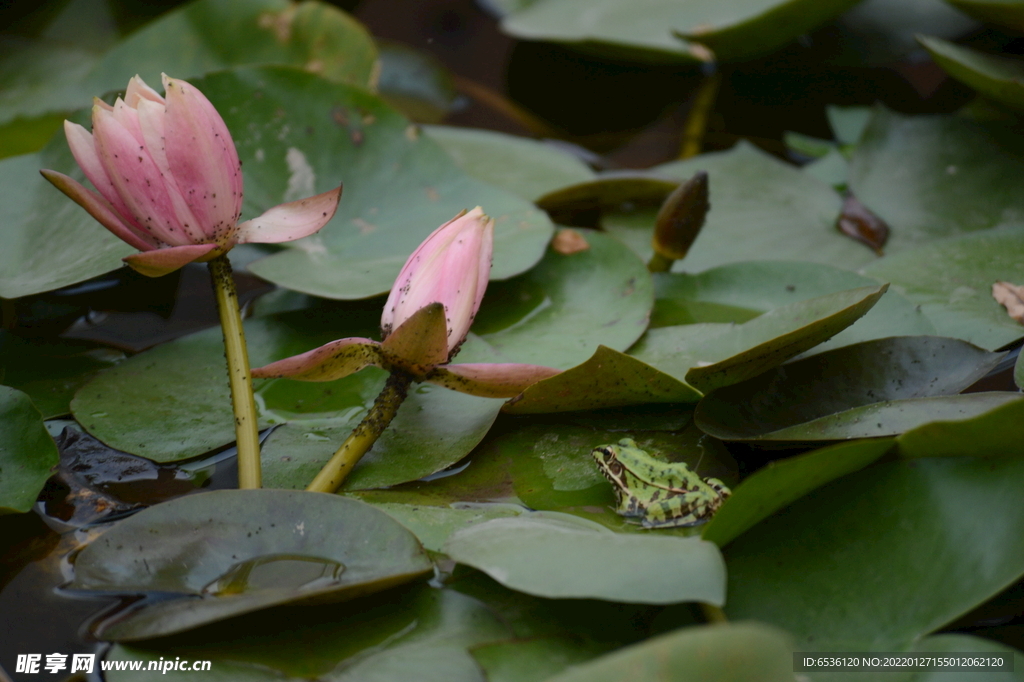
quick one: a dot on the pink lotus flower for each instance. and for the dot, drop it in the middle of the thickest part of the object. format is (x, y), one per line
(170, 182)
(426, 318)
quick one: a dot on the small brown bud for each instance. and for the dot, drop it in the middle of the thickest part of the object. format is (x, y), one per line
(681, 217)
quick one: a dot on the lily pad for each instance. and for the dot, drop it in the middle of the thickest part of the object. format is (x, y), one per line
(242, 551)
(534, 660)
(304, 134)
(725, 355)
(558, 559)
(27, 453)
(1008, 13)
(516, 164)
(761, 209)
(782, 482)
(415, 82)
(607, 379)
(652, 30)
(887, 386)
(741, 291)
(997, 78)
(937, 176)
(732, 652)
(879, 558)
(952, 282)
(419, 633)
(998, 432)
(956, 643)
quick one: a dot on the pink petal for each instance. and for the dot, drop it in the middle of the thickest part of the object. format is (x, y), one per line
(138, 92)
(203, 160)
(137, 179)
(420, 341)
(294, 220)
(162, 261)
(331, 361)
(490, 380)
(83, 148)
(99, 208)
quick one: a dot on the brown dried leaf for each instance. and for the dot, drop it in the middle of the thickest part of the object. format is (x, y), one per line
(857, 222)
(569, 241)
(1011, 297)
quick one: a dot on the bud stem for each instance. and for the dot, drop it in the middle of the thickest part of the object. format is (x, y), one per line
(712, 613)
(239, 376)
(364, 435)
(700, 111)
(659, 263)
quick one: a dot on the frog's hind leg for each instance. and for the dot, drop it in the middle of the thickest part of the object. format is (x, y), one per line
(671, 513)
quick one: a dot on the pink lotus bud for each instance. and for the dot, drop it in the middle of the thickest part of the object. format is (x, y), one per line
(450, 267)
(170, 182)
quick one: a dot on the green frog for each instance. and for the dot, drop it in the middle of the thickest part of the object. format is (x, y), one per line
(660, 494)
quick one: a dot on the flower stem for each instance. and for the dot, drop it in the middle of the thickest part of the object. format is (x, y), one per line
(659, 263)
(700, 111)
(712, 613)
(247, 436)
(363, 436)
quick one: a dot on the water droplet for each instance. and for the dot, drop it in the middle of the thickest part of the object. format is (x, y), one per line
(277, 572)
(313, 435)
(98, 414)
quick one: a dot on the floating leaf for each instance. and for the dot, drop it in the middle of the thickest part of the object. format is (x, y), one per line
(782, 482)
(648, 30)
(998, 432)
(952, 282)
(937, 176)
(534, 660)
(419, 633)
(1011, 297)
(733, 652)
(956, 643)
(879, 558)
(997, 78)
(742, 291)
(607, 379)
(559, 559)
(761, 209)
(242, 551)
(887, 386)
(415, 82)
(27, 453)
(848, 123)
(516, 164)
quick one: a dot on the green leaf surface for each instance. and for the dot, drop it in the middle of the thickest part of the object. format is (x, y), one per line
(832, 169)
(516, 164)
(733, 652)
(782, 482)
(608, 379)
(229, 552)
(432, 525)
(50, 373)
(956, 643)
(648, 30)
(761, 209)
(533, 660)
(884, 556)
(415, 82)
(736, 353)
(559, 312)
(937, 176)
(952, 282)
(1018, 372)
(559, 559)
(995, 77)
(27, 453)
(1008, 13)
(740, 291)
(413, 634)
(998, 432)
(304, 135)
(848, 123)
(886, 387)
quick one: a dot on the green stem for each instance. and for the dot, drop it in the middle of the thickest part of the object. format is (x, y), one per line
(247, 436)
(697, 121)
(363, 436)
(659, 263)
(712, 613)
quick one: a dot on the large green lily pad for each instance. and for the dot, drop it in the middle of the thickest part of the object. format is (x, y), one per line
(937, 176)
(735, 652)
(761, 209)
(998, 432)
(651, 30)
(563, 559)
(230, 552)
(876, 388)
(952, 282)
(27, 453)
(725, 355)
(517, 164)
(998, 78)
(741, 291)
(882, 557)
(419, 633)
(782, 482)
